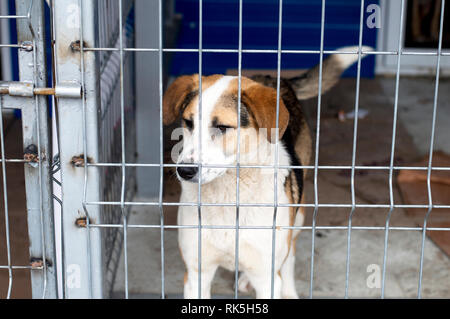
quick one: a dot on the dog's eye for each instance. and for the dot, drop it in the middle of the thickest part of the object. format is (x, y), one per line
(189, 124)
(222, 128)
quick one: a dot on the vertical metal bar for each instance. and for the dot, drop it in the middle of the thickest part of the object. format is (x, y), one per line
(316, 159)
(35, 123)
(275, 175)
(5, 199)
(355, 138)
(39, 148)
(161, 148)
(85, 172)
(391, 164)
(60, 261)
(236, 250)
(122, 137)
(200, 49)
(430, 156)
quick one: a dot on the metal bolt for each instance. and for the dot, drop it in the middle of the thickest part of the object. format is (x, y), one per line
(76, 46)
(26, 46)
(78, 161)
(38, 263)
(81, 222)
(30, 154)
(26, 89)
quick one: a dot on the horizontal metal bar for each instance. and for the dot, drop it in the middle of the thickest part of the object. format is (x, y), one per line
(22, 267)
(14, 17)
(14, 161)
(420, 53)
(26, 89)
(196, 204)
(404, 228)
(44, 91)
(10, 46)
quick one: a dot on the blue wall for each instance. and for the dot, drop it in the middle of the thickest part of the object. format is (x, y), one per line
(14, 51)
(301, 30)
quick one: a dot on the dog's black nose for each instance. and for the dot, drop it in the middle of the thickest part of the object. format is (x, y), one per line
(187, 173)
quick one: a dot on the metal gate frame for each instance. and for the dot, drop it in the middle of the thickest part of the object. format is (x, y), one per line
(27, 96)
(76, 120)
(38, 179)
(87, 130)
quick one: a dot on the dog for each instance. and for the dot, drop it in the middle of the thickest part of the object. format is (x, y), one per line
(212, 140)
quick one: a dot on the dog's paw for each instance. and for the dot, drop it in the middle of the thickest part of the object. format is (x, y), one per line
(244, 285)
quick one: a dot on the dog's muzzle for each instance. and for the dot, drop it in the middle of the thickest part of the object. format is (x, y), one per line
(187, 173)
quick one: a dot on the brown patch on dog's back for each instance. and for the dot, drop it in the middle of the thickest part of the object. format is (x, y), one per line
(298, 127)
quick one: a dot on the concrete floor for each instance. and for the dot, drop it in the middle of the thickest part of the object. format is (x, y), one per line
(144, 267)
(373, 148)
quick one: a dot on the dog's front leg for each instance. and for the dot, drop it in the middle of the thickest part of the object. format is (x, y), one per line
(192, 281)
(260, 278)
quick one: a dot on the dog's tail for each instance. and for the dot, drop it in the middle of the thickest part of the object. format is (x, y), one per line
(307, 85)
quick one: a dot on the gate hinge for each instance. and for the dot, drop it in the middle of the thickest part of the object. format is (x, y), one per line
(27, 89)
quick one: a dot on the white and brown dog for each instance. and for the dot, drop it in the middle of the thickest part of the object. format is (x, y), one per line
(216, 136)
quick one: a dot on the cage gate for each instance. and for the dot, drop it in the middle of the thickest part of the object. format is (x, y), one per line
(92, 130)
(89, 93)
(28, 97)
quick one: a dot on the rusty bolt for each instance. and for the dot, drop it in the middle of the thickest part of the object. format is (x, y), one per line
(76, 46)
(31, 154)
(78, 161)
(38, 263)
(26, 46)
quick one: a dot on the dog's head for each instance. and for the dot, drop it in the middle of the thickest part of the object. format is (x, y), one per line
(210, 136)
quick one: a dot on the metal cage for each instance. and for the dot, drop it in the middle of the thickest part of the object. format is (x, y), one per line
(94, 88)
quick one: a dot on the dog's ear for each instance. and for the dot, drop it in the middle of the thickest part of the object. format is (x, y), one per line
(175, 97)
(262, 102)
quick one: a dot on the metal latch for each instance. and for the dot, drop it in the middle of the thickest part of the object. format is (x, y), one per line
(27, 89)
